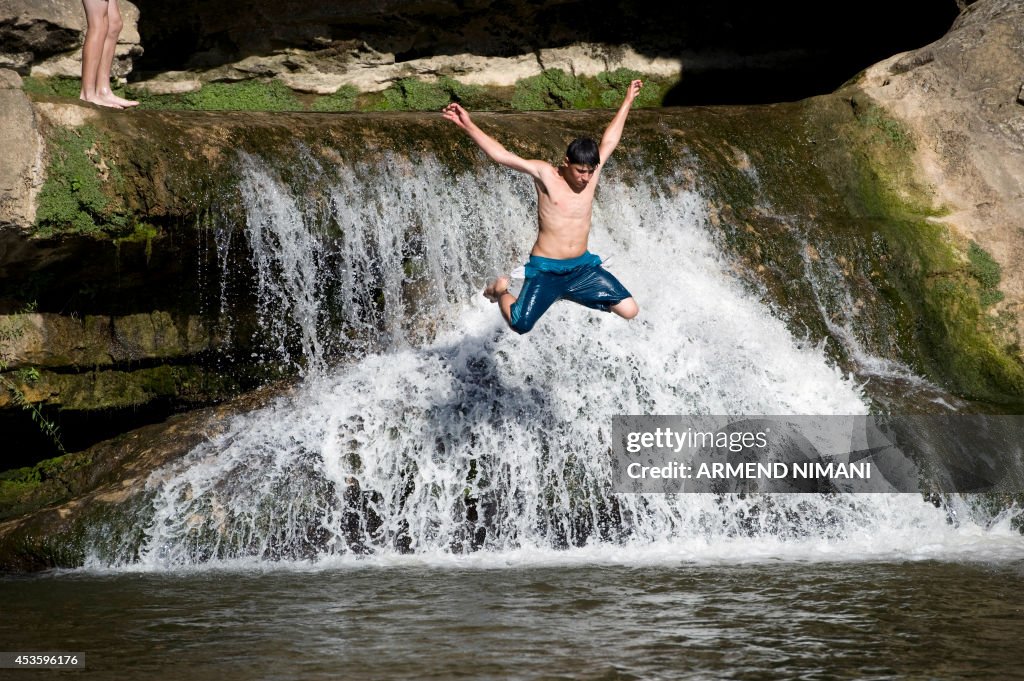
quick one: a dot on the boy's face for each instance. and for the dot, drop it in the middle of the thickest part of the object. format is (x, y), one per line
(578, 175)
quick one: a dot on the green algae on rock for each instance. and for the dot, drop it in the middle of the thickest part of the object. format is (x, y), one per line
(82, 182)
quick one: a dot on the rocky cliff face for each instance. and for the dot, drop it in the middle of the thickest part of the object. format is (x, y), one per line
(961, 99)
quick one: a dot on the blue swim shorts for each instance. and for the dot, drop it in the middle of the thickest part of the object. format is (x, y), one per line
(581, 280)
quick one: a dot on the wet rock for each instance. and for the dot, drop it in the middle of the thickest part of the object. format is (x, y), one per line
(959, 98)
(21, 169)
(97, 497)
(51, 340)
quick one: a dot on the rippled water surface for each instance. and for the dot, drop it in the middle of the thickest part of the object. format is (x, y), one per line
(924, 619)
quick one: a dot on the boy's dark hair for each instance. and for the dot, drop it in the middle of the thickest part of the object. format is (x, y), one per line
(583, 150)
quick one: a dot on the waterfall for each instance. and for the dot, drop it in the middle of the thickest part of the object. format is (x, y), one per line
(423, 426)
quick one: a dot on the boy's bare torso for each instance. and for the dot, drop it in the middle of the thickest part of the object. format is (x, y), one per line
(563, 215)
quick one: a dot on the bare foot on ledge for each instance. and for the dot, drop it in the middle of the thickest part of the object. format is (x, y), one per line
(111, 97)
(100, 100)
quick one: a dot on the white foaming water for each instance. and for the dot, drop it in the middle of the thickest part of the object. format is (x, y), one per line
(448, 439)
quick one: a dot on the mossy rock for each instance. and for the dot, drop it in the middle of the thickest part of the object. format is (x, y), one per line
(343, 99)
(83, 182)
(552, 89)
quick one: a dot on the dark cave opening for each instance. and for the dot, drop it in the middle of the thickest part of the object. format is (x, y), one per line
(733, 51)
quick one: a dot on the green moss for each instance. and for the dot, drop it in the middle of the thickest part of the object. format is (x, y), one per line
(142, 233)
(343, 99)
(467, 94)
(113, 389)
(14, 487)
(886, 129)
(551, 89)
(118, 389)
(845, 209)
(556, 89)
(52, 87)
(959, 346)
(411, 94)
(252, 95)
(617, 81)
(987, 272)
(249, 95)
(45, 483)
(73, 198)
(34, 475)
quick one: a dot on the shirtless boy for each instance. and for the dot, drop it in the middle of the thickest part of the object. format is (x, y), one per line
(560, 265)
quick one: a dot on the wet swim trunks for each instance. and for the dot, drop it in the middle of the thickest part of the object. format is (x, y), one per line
(581, 280)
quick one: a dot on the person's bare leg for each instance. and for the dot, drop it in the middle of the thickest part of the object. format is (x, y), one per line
(114, 26)
(92, 51)
(627, 309)
(497, 292)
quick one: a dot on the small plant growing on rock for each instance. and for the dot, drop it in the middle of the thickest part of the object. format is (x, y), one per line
(12, 328)
(72, 199)
(986, 272)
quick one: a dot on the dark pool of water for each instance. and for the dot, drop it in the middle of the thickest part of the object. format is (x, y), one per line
(918, 620)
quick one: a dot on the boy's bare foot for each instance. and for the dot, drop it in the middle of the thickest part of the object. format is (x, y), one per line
(125, 103)
(496, 289)
(101, 101)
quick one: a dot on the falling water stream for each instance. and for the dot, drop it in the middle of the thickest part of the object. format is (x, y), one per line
(433, 499)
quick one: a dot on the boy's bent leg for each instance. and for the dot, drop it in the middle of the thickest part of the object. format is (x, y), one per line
(497, 292)
(537, 295)
(627, 309)
(598, 288)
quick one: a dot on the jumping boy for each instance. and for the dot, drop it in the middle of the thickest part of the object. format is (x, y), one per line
(560, 265)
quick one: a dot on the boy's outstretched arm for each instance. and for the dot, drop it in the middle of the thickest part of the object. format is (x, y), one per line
(613, 133)
(490, 146)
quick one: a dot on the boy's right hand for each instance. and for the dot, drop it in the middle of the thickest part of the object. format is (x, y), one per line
(457, 115)
(633, 90)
